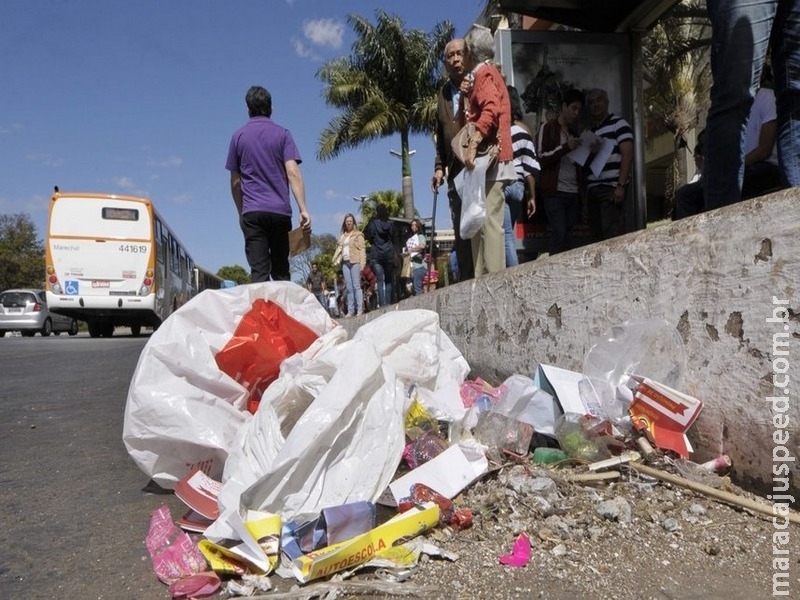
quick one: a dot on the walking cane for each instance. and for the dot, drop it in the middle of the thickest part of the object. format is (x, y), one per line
(433, 233)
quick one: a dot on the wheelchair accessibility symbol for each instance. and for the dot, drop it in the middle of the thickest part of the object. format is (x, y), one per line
(71, 288)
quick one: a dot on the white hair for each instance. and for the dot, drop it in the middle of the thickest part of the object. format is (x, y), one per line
(479, 42)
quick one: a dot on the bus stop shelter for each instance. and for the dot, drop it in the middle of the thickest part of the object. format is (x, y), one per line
(606, 53)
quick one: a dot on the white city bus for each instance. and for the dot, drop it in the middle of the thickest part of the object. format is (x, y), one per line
(112, 260)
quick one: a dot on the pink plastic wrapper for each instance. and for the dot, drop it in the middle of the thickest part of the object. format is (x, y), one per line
(520, 554)
(472, 390)
(175, 556)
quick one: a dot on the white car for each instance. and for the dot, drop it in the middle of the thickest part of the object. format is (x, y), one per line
(25, 310)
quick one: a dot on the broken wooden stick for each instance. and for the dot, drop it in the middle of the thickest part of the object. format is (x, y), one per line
(707, 490)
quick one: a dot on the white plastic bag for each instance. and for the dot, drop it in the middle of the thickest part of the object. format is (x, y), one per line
(471, 188)
(652, 348)
(182, 410)
(348, 441)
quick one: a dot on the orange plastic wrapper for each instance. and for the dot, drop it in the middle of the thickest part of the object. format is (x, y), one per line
(265, 336)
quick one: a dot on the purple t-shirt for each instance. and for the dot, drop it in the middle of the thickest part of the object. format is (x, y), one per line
(259, 151)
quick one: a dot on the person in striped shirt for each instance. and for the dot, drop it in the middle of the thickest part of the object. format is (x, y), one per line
(607, 190)
(527, 169)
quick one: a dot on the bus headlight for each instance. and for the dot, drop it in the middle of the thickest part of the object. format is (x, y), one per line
(144, 290)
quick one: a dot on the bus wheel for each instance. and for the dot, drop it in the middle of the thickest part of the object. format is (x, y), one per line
(94, 329)
(108, 330)
(136, 330)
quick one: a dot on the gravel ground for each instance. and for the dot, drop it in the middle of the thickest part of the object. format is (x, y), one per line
(634, 538)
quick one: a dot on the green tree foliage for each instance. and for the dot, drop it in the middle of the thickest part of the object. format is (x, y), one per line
(21, 253)
(386, 86)
(321, 251)
(235, 273)
(391, 199)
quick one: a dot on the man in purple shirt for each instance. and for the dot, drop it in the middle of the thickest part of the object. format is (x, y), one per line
(263, 161)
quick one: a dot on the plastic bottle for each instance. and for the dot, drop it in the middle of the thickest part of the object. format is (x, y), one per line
(548, 456)
(427, 446)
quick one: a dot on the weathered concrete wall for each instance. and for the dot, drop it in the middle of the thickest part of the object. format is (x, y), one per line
(713, 276)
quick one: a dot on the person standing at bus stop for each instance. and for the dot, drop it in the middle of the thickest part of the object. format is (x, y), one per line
(264, 164)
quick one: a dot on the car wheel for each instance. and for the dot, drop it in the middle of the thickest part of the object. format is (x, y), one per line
(73, 328)
(47, 328)
(136, 330)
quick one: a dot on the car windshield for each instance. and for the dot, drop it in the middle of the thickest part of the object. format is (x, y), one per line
(17, 299)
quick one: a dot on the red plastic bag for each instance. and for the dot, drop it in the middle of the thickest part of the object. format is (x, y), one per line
(265, 336)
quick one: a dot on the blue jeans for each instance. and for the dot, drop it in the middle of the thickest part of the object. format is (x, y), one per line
(352, 283)
(417, 276)
(741, 32)
(563, 212)
(514, 194)
(384, 275)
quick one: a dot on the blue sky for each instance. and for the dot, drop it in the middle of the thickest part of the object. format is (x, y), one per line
(141, 97)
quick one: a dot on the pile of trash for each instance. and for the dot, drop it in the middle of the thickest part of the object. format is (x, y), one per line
(287, 441)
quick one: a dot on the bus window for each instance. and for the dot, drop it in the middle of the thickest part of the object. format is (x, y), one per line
(159, 238)
(174, 258)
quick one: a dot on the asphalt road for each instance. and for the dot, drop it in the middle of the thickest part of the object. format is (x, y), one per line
(74, 511)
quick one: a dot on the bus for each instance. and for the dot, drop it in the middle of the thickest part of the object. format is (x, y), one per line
(206, 280)
(112, 260)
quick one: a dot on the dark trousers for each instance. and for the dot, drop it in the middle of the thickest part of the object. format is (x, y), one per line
(689, 200)
(463, 248)
(605, 216)
(266, 245)
(563, 212)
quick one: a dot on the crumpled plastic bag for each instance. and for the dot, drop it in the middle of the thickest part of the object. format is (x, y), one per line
(263, 339)
(182, 409)
(471, 188)
(174, 555)
(330, 429)
(652, 348)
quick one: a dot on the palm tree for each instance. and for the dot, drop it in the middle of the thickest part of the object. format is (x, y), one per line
(387, 85)
(677, 74)
(391, 199)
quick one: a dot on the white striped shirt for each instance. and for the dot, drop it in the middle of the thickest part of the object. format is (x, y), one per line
(525, 161)
(617, 129)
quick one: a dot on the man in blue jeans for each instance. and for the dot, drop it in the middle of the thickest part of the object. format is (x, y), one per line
(741, 33)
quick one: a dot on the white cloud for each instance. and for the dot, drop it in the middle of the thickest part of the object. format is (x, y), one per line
(129, 186)
(46, 160)
(13, 128)
(304, 51)
(331, 195)
(181, 199)
(324, 32)
(172, 161)
(126, 183)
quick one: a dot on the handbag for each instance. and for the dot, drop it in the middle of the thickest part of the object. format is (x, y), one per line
(337, 257)
(460, 142)
(405, 271)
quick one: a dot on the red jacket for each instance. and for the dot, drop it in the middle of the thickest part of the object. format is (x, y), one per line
(490, 109)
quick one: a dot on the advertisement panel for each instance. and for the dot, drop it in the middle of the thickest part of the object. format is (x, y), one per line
(542, 65)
